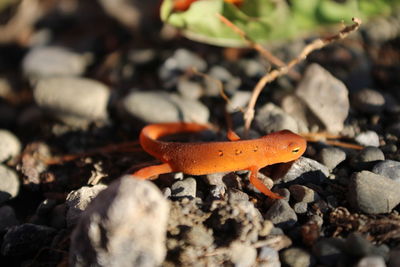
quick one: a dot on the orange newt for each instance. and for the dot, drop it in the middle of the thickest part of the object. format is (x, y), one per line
(182, 5)
(209, 157)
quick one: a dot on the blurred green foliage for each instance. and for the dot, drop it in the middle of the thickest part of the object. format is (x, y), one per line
(264, 20)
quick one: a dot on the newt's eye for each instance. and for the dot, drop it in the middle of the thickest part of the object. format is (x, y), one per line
(295, 150)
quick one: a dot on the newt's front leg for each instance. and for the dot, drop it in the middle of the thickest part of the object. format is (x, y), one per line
(153, 171)
(259, 185)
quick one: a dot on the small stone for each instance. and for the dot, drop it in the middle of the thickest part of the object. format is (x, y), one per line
(238, 100)
(371, 261)
(367, 158)
(185, 188)
(78, 200)
(45, 207)
(189, 89)
(26, 239)
(296, 257)
(242, 255)
(41, 62)
(368, 138)
(326, 97)
(75, 101)
(199, 236)
(281, 214)
(303, 194)
(331, 157)
(9, 184)
(230, 83)
(268, 257)
(7, 217)
(9, 145)
(369, 101)
(357, 246)
(300, 207)
(183, 60)
(372, 193)
(169, 108)
(125, 225)
(296, 108)
(328, 250)
(389, 169)
(271, 118)
(266, 228)
(252, 68)
(303, 170)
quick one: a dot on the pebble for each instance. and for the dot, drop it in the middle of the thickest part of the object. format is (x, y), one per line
(271, 118)
(281, 214)
(367, 158)
(331, 157)
(75, 101)
(7, 217)
(168, 107)
(303, 170)
(303, 194)
(252, 68)
(328, 250)
(296, 257)
(133, 215)
(389, 169)
(9, 184)
(50, 61)
(242, 255)
(268, 257)
(368, 138)
(371, 261)
(199, 236)
(9, 145)
(300, 207)
(239, 99)
(26, 239)
(372, 193)
(326, 97)
(78, 200)
(296, 108)
(230, 83)
(185, 188)
(368, 101)
(189, 89)
(184, 59)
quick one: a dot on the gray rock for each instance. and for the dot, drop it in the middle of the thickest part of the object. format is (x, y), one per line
(252, 68)
(394, 259)
(26, 239)
(357, 246)
(328, 250)
(367, 158)
(300, 207)
(238, 100)
(281, 214)
(75, 101)
(303, 194)
(326, 97)
(368, 138)
(45, 207)
(303, 170)
(189, 89)
(9, 184)
(199, 236)
(331, 157)
(268, 257)
(369, 101)
(41, 62)
(371, 261)
(185, 188)
(7, 217)
(389, 169)
(124, 226)
(183, 60)
(296, 108)
(9, 145)
(230, 83)
(242, 255)
(78, 200)
(271, 118)
(168, 107)
(372, 193)
(296, 257)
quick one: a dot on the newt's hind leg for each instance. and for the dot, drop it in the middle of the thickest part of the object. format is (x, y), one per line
(260, 186)
(151, 172)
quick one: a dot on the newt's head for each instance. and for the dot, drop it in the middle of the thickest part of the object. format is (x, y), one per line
(284, 146)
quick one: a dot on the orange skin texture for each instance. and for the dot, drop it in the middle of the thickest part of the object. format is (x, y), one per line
(210, 157)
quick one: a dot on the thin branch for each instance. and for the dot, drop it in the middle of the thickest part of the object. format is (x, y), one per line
(269, 77)
(264, 52)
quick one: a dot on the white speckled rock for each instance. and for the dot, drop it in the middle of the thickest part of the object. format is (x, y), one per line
(73, 100)
(9, 184)
(125, 225)
(326, 96)
(52, 61)
(9, 145)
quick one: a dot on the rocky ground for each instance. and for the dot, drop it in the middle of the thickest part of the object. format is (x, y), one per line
(74, 89)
